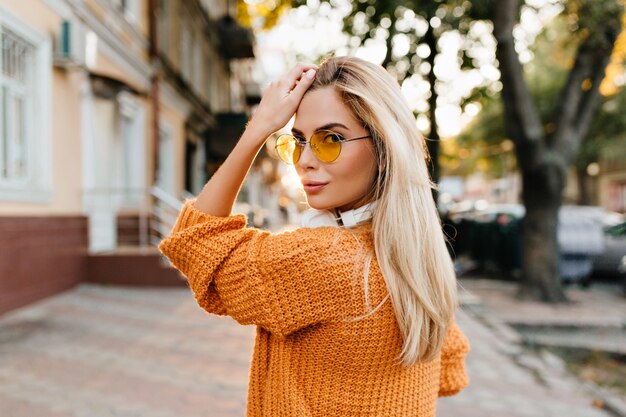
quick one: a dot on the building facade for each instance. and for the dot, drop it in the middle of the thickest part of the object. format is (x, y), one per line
(111, 112)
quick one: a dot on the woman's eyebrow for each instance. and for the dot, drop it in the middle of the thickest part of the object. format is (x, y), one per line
(324, 127)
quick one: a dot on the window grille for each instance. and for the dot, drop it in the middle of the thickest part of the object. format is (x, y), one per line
(16, 90)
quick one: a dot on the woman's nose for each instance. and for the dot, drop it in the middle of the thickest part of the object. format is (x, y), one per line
(307, 157)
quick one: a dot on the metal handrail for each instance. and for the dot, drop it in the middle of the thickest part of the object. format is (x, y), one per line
(163, 196)
(156, 210)
(164, 211)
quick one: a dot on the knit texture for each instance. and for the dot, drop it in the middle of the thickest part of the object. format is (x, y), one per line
(327, 343)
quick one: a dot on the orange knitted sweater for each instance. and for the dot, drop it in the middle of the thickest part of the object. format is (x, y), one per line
(327, 344)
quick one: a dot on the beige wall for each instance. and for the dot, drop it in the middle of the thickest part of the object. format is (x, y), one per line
(67, 89)
(103, 9)
(35, 13)
(66, 146)
(104, 66)
(144, 24)
(65, 96)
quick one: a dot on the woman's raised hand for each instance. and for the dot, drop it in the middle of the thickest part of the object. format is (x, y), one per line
(282, 98)
(280, 101)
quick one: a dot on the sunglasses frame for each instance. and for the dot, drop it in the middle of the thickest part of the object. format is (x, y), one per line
(303, 143)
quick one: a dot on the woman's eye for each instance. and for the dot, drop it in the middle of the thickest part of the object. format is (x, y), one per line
(300, 140)
(332, 138)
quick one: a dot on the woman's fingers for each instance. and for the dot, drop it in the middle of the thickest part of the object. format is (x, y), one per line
(282, 98)
(303, 84)
(296, 72)
(291, 79)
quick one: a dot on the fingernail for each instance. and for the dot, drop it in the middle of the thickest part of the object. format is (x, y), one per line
(310, 74)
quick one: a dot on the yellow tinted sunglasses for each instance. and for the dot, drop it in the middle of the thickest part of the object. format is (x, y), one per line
(325, 144)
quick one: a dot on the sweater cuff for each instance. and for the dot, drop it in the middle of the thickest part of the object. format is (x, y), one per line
(455, 378)
(190, 216)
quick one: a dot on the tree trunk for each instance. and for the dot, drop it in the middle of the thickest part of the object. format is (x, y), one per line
(542, 190)
(433, 136)
(543, 159)
(584, 196)
(433, 139)
(543, 171)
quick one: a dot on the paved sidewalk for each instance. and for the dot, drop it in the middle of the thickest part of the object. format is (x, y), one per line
(593, 321)
(600, 305)
(107, 351)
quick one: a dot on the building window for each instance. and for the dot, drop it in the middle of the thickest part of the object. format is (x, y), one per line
(133, 153)
(164, 26)
(15, 96)
(197, 59)
(165, 170)
(195, 165)
(213, 87)
(24, 144)
(129, 8)
(185, 48)
(617, 197)
(206, 87)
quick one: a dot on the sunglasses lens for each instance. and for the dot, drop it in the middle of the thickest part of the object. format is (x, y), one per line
(287, 149)
(326, 145)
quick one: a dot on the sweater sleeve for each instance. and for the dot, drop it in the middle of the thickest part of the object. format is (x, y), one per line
(453, 373)
(282, 282)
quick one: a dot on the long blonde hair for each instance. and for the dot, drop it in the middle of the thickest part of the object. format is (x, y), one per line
(408, 240)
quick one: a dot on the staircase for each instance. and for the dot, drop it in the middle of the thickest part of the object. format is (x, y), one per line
(137, 261)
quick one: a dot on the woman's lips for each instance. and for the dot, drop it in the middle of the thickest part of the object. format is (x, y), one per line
(313, 187)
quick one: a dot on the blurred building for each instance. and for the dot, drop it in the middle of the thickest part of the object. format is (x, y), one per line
(602, 183)
(610, 178)
(111, 113)
(478, 186)
(606, 179)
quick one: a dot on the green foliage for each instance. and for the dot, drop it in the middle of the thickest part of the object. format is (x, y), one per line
(585, 16)
(607, 132)
(554, 51)
(483, 145)
(409, 18)
(411, 30)
(412, 19)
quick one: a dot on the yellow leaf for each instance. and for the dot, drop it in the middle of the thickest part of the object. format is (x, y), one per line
(261, 14)
(615, 68)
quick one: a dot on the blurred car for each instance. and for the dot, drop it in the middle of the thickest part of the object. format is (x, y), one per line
(484, 212)
(612, 262)
(490, 234)
(598, 215)
(580, 238)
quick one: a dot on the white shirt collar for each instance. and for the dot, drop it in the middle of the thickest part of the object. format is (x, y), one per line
(319, 218)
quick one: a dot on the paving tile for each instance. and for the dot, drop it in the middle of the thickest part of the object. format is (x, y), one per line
(101, 351)
(12, 407)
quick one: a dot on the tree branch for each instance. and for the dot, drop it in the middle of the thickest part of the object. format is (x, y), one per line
(571, 99)
(523, 123)
(581, 96)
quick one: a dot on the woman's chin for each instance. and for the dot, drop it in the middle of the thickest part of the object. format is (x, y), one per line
(318, 205)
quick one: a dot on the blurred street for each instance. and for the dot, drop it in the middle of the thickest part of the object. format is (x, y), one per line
(103, 351)
(114, 112)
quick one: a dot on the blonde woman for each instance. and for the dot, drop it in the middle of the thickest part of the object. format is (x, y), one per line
(354, 310)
